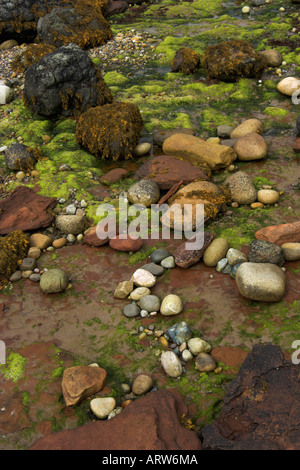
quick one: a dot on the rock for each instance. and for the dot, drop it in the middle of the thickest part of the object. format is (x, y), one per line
(167, 171)
(25, 210)
(180, 333)
(288, 85)
(235, 256)
(247, 127)
(142, 384)
(145, 192)
(137, 293)
(73, 224)
(114, 8)
(157, 256)
(154, 269)
(224, 131)
(296, 145)
(198, 345)
(71, 209)
(131, 310)
(196, 150)
(27, 274)
(186, 61)
(8, 44)
(186, 355)
(6, 94)
(231, 60)
(101, 233)
(291, 251)
(205, 362)
(251, 147)
(264, 282)
(261, 251)
(123, 290)
(113, 176)
(64, 82)
(221, 265)
(168, 263)
(101, 407)
(19, 157)
(261, 393)
(171, 305)
(16, 276)
(161, 135)
(143, 278)
(80, 382)
(59, 243)
(150, 303)
(54, 281)
(229, 143)
(241, 187)
(279, 234)
(267, 196)
(215, 251)
(144, 425)
(35, 277)
(28, 264)
(125, 244)
(185, 257)
(39, 240)
(256, 205)
(171, 364)
(272, 57)
(142, 149)
(34, 252)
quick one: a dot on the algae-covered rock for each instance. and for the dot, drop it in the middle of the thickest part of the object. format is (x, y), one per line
(13, 248)
(19, 157)
(110, 131)
(186, 61)
(231, 60)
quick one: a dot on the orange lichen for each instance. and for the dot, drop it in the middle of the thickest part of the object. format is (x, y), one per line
(30, 55)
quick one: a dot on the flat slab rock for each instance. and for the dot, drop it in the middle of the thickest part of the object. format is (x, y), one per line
(279, 234)
(151, 422)
(261, 406)
(25, 210)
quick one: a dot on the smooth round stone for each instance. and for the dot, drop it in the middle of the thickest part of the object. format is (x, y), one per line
(215, 251)
(71, 238)
(71, 209)
(20, 175)
(131, 310)
(171, 364)
(144, 313)
(180, 333)
(257, 205)
(151, 303)
(171, 305)
(35, 277)
(287, 86)
(264, 282)
(154, 269)
(224, 131)
(168, 263)
(114, 412)
(143, 278)
(142, 384)
(39, 240)
(251, 147)
(137, 293)
(198, 345)
(15, 276)
(273, 57)
(101, 407)
(221, 265)
(68, 224)
(123, 289)
(126, 388)
(205, 362)
(28, 264)
(59, 243)
(159, 255)
(241, 187)
(291, 251)
(227, 269)
(186, 355)
(142, 149)
(54, 281)
(246, 127)
(267, 196)
(26, 274)
(34, 252)
(145, 192)
(235, 256)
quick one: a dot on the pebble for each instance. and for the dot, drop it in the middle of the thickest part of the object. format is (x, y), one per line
(70, 224)
(262, 251)
(126, 388)
(54, 281)
(154, 269)
(198, 345)
(215, 251)
(142, 384)
(20, 175)
(159, 255)
(168, 263)
(131, 310)
(83, 203)
(235, 256)
(28, 264)
(291, 251)
(221, 265)
(101, 407)
(142, 149)
(59, 242)
(151, 303)
(16, 276)
(114, 412)
(267, 196)
(163, 342)
(288, 85)
(180, 333)
(34, 252)
(242, 188)
(123, 289)
(143, 278)
(71, 209)
(256, 205)
(137, 293)
(224, 131)
(26, 274)
(145, 192)
(171, 364)
(71, 238)
(39, 240)
(35, 277)
(247, 127)
(171, 305)
(251, 147)
(186, 355)
(205, 362)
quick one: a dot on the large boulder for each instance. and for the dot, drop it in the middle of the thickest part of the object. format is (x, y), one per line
(261, 405)
(231, 60)
(151, 422)
(64, 82)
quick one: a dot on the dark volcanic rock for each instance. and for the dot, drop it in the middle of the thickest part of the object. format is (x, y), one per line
(262, 251)
(187, 257)
(151, 422)
(261, 406)
(64, 82)
(25, 210)
(19, 157)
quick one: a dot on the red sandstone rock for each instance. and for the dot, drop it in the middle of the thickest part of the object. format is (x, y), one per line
(98, 235)
(280, 234)
(113, 176)
(231, 356)
(167, 171)
(185, 257)
(148, 423)
(25, 210)
(126, 244)
(80, 382)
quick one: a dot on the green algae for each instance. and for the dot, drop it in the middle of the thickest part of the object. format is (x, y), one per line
(275, 111)
(14, 369)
